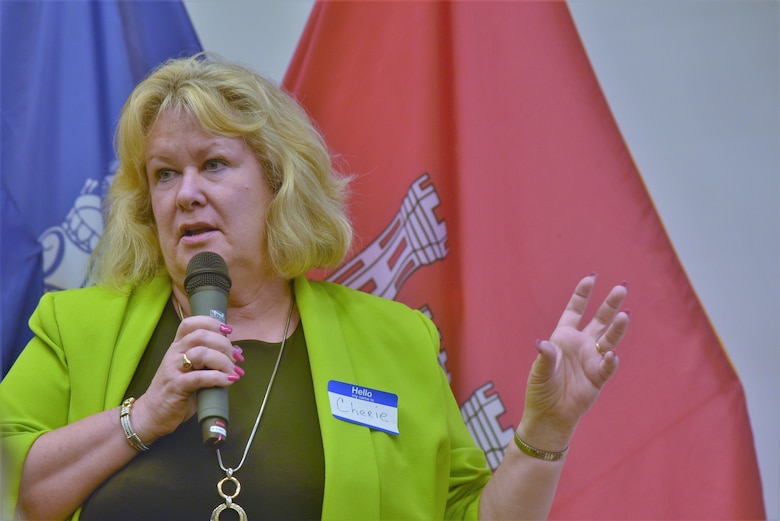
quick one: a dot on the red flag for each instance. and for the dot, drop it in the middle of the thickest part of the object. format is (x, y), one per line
(491, 177)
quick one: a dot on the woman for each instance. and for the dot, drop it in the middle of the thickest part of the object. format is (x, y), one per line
(214, 158)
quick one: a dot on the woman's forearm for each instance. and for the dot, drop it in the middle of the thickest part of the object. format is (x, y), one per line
(523, 487)
(64, 466)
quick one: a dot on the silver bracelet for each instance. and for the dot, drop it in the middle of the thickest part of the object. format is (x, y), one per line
(536, 453)
(124, 418)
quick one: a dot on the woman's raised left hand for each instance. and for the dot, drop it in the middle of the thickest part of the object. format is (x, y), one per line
(573, 366)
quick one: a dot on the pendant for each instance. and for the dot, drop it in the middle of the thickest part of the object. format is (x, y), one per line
(225, 506)
(228, 504)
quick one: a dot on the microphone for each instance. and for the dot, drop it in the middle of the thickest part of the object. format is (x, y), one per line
(207, 285)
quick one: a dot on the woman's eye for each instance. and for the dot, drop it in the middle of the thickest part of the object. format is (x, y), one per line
(212, 165)
(164, 175)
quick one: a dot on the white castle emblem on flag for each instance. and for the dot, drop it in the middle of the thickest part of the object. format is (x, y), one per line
(413, 239)
(481, 412)
(66, 247)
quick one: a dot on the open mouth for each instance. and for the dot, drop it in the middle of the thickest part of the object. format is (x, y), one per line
(196, 231)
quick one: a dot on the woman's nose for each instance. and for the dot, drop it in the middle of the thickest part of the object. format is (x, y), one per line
(190, 189)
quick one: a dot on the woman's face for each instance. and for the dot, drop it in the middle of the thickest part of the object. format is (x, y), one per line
(208, 194)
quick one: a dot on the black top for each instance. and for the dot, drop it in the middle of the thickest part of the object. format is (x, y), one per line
(283, 476)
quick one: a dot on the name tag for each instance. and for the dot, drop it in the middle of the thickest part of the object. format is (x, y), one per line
(370, 407)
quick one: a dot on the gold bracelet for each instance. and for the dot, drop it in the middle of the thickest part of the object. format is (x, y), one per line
(536, 453)
(124, 418)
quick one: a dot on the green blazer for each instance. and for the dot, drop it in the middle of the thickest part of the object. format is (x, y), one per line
(89, 341)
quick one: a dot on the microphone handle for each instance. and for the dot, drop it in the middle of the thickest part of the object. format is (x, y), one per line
(213, 407)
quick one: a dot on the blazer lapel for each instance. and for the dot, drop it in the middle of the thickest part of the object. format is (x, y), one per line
(131, 336)
(351, 471)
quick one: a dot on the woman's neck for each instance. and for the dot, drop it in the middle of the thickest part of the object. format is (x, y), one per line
(257, 311)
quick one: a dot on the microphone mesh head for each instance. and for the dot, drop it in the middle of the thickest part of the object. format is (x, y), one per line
(207, 269)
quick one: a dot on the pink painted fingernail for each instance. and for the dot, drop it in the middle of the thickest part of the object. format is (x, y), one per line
(233, 377)
(627, 311)
(239, 371)
(226, 329)
(238, 354)
(624, 283)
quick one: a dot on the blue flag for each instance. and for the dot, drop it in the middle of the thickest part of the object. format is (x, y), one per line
(66, 68)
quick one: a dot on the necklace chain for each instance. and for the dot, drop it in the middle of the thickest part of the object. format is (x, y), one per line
(230, 471)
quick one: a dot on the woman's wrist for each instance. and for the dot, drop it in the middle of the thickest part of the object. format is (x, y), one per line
(133, 424)
(532, 451)
(543, 436)
(125, 420)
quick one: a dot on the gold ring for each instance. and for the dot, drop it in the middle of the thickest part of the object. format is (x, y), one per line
(185, 362)
(600, 350)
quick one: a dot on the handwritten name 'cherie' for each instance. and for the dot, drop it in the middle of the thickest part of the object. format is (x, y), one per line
(362, 408)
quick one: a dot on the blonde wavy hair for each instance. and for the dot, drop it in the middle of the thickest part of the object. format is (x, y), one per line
(306, 224)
